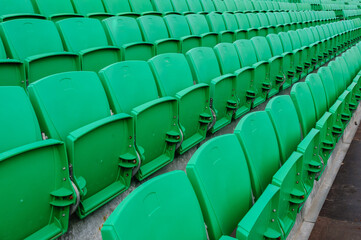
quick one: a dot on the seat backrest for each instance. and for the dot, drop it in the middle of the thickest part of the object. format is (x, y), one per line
(49, 7)
(153, 28)
(285, 121)
(9, 7)
(227, 57)
(242, 21)
(220, 5)
(293, 17)
(275, 44)
(310, 36)
(253, 20)
(271, 18)
(122, 30)
(86, 7)
(177, 25)
(151, 204)
(29, 37)
(286, 17)
(82, 33)
(208, 5)
(315, 33)
(303, 37)
(19, 125)
(295, 40)
(230, 21)
(197, 24)
(219, 175)
(328, 84)
(123, 79)
(286, 42)
(163, 6)
(216, 22)
(263, 19)
(303, 101)
(181, 6)
(117, 6)
(317, 90)
(262, 48)
(279, 18)
(231, 5)
(346, 73)
(172, 73)
(194, 5)
(321, 32)
(203, 63)
(65, 102)
(339, 75)
(141, 6)
(246, 52)
(259, 143)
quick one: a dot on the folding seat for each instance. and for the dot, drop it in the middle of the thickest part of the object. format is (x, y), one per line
(73, 107)
(231, 24)
(257, 137)
(119, 7)
(56, 10)
(34, 174)
(281, 21)
(309, 47)
(174, 78)
(181, 6)
(12, 71)
(274, 65)
(332, 44)
(287, 20)
(328, 48)
(304, 19)
(86, 37)
(223, 205)
(13, 9)
(257, 6)
(125, 33)
(194, 6)
(205, 69)
(178, 28)
(323, 52)
(296, 18)
(143, 7)
(217, 25)
(219, 5)
(91, 8)
(270, 6)
(169, 193)
(271, 17)
(286, 77)
(243, 23)
(154, 30)
(315, 45)
(156, 119)
(208, 6)
(244, 6)
(38, 44)
(306, 58)
(265, 23)
(255, 72)
(231, 6)
(255, 23)
(263, 6)
(199, 26)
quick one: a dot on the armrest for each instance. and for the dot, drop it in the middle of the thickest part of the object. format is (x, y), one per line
(8, 17)
(145, 106)
(227, 238)
(95, 49)
(190, 37)
(184, 92)
(127, 45)
(12, 61)
(47, 55)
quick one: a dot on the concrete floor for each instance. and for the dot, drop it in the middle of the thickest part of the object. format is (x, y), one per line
(340, 217)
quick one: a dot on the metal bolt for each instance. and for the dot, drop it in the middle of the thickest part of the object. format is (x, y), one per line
(298, 174)
(64, 179)
(272, 220)
(274, 210)
(63, 214)
(310, 177)
(293, 209)
(130, 146)
(297, 182)
(64, 168)
(134, 161)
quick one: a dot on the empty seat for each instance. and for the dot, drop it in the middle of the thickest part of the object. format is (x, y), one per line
(132, 89)
(240, 31)
(163, 6)
(217, 25)
(224, 192)
(119, 7)
(86, 37)
(195, 6)
(174, 78)
(12, 71)
(143, 7)
(155, 31)
(91, 8)
(125, 33)
(178, 28)
(255, 23)
(73, 107)
(208, 5)
(259, 142)
(36, 207)
(170, 194)
(199, 26)
(243, 23)
(181, 6)
(205, 69)
(56, 10)
(12, 9)
(38, 44)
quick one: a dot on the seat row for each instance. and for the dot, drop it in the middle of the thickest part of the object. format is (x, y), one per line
(274, 156)
(57, 10)
(128, 121)
(75, 44)
(350, 14)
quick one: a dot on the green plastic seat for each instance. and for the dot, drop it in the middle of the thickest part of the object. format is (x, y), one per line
(303, 50)
(255, 23)
(125, 33)
(178, 28)
(156, 119)
(163, 6)
(199, 26)
(245, 6)
(143, 7)
(195, 6)
(275, 65)
(151, 205)
(181, 6)
(229, 63)
(219, 5)
(73, 107)
(309, 47)
(243, 24)
(287, 19)
(205, 69)
(174, 78)
(56, 10)
(322, 55)
(34, 207)
(154, 30)
(219, 175)
(208, 6)
(12, 71)
(91, 8)
(15, 9)
(256, 71)
(217, 25)
(279, 27)
(262, 222)
(231, 23)
(119, 7)
(86, 37)
(265, 22)
(37, 43)
(259, 142)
